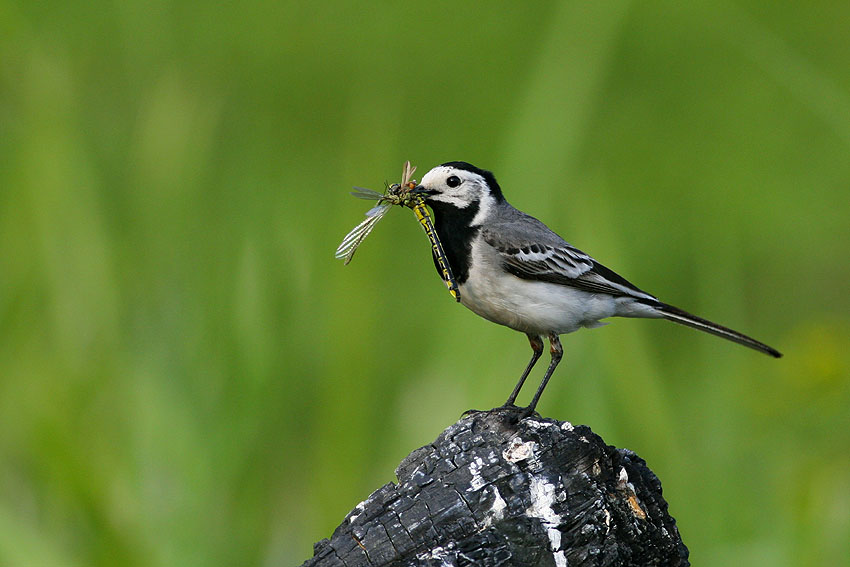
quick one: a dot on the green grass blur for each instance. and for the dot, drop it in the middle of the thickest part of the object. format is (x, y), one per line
(188, 377)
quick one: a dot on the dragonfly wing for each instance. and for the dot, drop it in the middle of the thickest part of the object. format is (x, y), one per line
(353, 239)
(407, 173)
(368, 194)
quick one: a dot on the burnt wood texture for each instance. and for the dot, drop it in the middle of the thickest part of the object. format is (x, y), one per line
(495, 490)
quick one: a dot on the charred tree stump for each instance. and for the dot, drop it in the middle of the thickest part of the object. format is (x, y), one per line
(495, 490)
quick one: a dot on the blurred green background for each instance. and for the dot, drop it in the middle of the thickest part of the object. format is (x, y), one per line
(188, 377)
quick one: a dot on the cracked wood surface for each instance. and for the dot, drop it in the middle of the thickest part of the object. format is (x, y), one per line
(493, 491)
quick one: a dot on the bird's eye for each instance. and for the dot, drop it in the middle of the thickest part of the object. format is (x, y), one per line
(453, 181)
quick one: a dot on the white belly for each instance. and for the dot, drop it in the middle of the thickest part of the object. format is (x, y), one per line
(535, 307)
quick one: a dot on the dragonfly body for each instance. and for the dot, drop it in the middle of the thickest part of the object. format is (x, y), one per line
(398, 194)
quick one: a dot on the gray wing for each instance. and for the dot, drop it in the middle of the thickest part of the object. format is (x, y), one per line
(529, 250)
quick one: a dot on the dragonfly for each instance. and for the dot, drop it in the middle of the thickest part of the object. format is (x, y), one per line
(398, 194)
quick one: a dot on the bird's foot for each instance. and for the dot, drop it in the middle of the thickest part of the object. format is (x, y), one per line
(514, 413)
(527, 412)
(505, 408)
(469, 412)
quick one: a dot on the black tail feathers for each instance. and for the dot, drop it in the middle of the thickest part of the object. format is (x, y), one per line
(684, 318)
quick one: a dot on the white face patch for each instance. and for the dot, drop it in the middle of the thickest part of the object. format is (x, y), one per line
(472, 189)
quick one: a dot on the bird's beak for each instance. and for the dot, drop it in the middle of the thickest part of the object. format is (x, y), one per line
(422, 190)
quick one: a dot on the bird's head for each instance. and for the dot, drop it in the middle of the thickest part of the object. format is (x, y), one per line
(461, 186)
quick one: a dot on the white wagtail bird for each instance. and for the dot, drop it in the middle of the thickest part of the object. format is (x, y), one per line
(513, 270)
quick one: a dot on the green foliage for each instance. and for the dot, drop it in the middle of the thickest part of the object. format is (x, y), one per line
(188, 377)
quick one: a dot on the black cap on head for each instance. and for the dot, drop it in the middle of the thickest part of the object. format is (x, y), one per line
(488, 176)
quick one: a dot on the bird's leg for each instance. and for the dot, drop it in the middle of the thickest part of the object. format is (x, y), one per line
(557, 352)
(537, 346)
